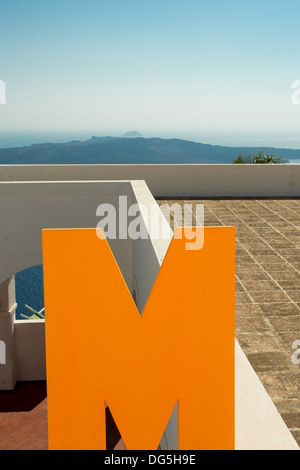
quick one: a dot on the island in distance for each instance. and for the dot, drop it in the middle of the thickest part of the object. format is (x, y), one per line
(137, 150)
(133, 134)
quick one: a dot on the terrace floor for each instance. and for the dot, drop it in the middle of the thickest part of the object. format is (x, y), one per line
(23, 419)
(267, 315)
(267, 290)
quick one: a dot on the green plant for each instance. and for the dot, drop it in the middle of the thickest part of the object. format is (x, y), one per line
(259, 158)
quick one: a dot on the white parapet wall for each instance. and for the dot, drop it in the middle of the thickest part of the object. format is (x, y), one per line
(30, 354)
(25, 209)
(202, 180)
(28, 207)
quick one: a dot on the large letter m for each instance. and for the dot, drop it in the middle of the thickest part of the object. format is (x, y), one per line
(100, 349)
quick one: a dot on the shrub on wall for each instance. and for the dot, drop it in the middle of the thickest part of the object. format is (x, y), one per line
(260, 158)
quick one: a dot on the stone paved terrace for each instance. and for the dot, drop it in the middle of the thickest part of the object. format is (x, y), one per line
(267, 290)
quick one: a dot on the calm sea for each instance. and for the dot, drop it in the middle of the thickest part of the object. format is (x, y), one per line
(230, 139)
(29, 290)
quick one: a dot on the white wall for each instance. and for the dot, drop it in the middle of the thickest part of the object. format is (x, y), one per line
(175, 180)
(30, 354)
(28, 207)
(148, 255)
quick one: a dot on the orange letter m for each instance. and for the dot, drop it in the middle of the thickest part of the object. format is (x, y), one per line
(100, 349)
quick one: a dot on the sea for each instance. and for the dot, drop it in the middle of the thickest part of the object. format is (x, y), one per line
(29, 283)
(29, 291)
(230, 139)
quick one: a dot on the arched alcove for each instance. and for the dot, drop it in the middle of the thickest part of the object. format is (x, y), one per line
(29, 288)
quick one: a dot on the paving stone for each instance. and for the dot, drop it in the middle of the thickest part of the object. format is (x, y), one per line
(288, 406)
(239, 287)
(296, 435)
(270, 296)
(282, 384)
(295, 295)
(247, 310)
(261, 285)
(269, 361)
(289, 285)
(248, 267)
(259, 342)
(287, 275)
(285, 324)
(292, 420)
(250, 325)
(242, 298)
(267, 259)
(253, 276)
(279, 309)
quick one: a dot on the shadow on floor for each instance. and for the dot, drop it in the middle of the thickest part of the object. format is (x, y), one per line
(25, 397)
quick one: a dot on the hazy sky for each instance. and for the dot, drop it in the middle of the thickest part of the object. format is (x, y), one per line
(157, 66)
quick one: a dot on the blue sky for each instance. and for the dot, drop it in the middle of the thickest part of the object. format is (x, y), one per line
(164, 67)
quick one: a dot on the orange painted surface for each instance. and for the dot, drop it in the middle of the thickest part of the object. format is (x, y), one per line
(99, 348)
